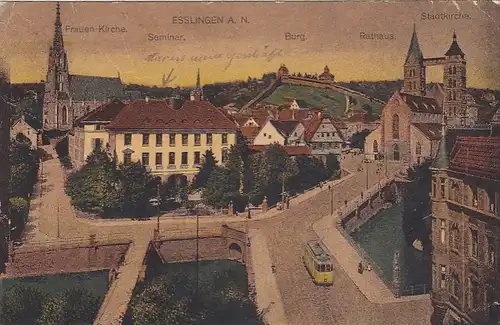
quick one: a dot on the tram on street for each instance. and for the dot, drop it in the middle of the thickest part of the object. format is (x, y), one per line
(318, 262)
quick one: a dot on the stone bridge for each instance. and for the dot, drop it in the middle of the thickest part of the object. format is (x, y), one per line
(359, 211)
(224, 243)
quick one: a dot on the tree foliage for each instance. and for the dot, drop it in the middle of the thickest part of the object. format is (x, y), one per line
(166, 301)
(358, 139)
(72, 306)
(93, 188)
(136, 187)
(416, 204)
(24, 167)
(207, 167)
(21, 305)
(27, 305)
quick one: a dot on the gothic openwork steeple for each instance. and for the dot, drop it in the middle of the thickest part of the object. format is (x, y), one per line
(197, 92)
(414, 69)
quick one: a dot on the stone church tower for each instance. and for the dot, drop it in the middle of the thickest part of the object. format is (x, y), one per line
(56, 116)
(414, 69)
(454, 83)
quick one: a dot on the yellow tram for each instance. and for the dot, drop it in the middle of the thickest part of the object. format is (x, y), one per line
(318, 262)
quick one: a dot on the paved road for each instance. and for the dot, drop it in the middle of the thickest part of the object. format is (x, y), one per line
(304, 302)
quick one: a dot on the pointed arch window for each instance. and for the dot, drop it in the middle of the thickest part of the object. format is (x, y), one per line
(450, 71)
(450, 83)
(395, 151)
(64, 117)
(454, 70)
(454, 96)
(375, 146)
(454, 83)
(418, 149)
(395, 126)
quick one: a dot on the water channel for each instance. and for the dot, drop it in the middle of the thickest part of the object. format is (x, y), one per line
(381, 237)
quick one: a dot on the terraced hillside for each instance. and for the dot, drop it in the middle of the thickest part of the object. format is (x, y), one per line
(331, 100)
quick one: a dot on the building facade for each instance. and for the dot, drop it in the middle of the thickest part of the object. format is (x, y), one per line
(22, 127)
(89, 132)
(170, 138)
(68, 97)
(465, 196)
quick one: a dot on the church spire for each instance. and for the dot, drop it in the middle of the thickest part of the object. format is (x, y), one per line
(197, 92)
(198, 84)
(414, 49)
(57, 42)
(454, 48)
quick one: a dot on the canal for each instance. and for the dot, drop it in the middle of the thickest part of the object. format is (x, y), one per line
(381, 237)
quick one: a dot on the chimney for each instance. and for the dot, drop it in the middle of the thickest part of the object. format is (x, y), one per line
(147, 99)
(175, 102)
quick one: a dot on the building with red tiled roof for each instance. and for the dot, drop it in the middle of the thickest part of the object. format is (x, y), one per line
(171, 137)
(465, 206)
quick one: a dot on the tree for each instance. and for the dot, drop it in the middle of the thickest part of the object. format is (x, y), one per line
(416, 204)
(358, 139)
(21, 305)
(24, 166)
(208, 165)
(221, 188)
(136, 187)
(332, 165)
(19, 209)
(311, 171)
(94, 187)
(72, 306)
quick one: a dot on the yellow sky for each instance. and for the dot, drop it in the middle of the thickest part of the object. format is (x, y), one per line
(228, 51)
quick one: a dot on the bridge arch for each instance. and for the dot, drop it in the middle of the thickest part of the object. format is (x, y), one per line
(235, 251)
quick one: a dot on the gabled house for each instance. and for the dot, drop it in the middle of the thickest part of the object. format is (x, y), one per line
(282, 132)
(323, 136)
(23, 127)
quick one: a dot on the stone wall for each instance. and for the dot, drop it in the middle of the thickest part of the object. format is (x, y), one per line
(358, 213)
(34, 261)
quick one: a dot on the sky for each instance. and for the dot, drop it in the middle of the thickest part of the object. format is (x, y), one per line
(250, 46)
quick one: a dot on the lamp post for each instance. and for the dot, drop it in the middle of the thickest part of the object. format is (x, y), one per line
(156, 203)
(366, 170)
(332, 194)
(197, 253)
(58, 225)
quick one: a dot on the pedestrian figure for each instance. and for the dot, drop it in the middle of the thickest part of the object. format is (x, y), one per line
(360, 268)
(369, 267)
(329, 187)
(321, 185)
(345, 202)
(361, 195)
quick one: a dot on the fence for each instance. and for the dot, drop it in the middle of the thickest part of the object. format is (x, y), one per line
(416, 289)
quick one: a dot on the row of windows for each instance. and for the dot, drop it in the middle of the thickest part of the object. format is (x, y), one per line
(483, 199)
(158, 161)
(171, 138)
(450, 279)
(473, 241)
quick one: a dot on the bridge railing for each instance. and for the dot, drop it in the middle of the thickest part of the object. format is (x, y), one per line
(416, 289)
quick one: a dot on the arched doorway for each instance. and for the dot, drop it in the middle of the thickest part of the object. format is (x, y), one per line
(395, 151)
(235, 251)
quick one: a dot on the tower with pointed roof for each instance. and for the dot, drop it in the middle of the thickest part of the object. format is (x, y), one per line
(454, 82)
(197, 92)
(57, 81)
(414, 68)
